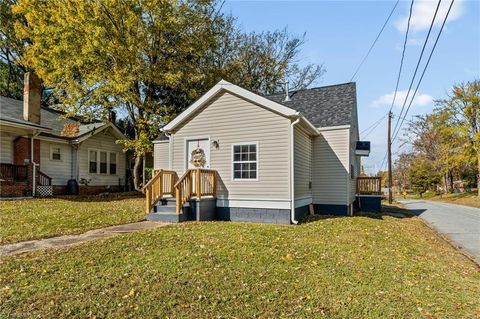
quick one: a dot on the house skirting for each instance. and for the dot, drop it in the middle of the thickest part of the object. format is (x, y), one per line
(257, 215)
(331, 209)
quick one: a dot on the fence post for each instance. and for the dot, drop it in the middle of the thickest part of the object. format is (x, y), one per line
(198, 184)
(147, 195)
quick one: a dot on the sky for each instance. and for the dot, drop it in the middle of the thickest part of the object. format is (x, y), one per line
(339, 34)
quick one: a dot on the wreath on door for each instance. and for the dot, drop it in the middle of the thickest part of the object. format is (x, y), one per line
(198, 158)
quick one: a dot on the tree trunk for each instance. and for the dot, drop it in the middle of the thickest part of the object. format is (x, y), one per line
(137, 178)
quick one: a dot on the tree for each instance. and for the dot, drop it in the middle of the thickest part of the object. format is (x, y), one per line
(147, 59)
(138, 57)
(464, 107)
(262, 61)
(422, 175)
(401, 170)
(11, 50)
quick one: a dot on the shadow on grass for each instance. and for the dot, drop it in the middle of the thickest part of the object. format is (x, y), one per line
(392, 211)
(110, 197)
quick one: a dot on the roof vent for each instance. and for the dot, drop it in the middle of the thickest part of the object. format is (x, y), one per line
(287, 94)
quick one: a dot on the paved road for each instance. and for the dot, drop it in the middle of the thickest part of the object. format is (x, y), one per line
(461, 224)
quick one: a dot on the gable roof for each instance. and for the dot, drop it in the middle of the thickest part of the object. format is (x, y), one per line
(224, 86)
(326, 106)
(50, 120)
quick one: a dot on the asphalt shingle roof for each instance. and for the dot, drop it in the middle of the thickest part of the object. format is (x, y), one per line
(325, 106)
(12, 110)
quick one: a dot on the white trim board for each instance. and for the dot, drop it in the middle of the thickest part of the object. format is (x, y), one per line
(331, 128)
(242, 203)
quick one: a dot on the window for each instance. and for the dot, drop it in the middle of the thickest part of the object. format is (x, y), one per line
(103, 162)
(113, 163)
(245, 162)
(92, 161)
(55, 154)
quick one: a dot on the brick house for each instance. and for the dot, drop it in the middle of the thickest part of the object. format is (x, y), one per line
(41, 149)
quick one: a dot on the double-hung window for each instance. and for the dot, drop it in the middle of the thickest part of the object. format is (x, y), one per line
(113, 163)
(245, 161)
(102, 162)
(55, 153)
(92, 161)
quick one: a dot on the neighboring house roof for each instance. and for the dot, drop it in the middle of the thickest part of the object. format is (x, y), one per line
(52, 120)
(326, 106)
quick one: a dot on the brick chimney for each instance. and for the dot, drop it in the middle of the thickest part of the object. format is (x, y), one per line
(32, 92)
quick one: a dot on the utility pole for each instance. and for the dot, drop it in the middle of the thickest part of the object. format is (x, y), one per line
(389, 151)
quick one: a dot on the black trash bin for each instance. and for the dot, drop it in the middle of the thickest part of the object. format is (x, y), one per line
(72, 187)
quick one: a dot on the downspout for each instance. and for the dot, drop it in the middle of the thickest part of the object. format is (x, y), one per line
(292, 171)
(34, 165)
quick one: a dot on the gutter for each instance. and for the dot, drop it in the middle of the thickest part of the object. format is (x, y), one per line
(292, 171)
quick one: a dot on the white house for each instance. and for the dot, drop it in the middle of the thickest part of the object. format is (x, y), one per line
(258, 158)
(61, 149)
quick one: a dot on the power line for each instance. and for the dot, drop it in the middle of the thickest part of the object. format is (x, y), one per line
(374, 42)
(425, 68)
(372, 127)
(418, 63)
(403, 54)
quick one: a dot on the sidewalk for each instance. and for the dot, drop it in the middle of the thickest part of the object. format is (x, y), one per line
(70, 240)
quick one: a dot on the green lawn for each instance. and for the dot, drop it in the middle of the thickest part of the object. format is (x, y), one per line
(468, 199)
(358, 267)
(40, 218)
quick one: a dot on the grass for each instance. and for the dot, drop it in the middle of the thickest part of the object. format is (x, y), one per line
(40, 218)
(360, 267)
(468, 199)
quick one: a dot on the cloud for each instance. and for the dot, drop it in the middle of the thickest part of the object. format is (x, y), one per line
(386, 99)
(423, 11)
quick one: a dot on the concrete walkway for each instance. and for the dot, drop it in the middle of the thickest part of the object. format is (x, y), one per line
(69, 240)
(460, 224)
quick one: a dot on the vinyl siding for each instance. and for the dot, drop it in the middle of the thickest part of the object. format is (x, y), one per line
(303, 163)
(355, 162)
(102, 141)
(6, 147)
(331, 167)
(161, 158)
(229, 120)
(59, 171)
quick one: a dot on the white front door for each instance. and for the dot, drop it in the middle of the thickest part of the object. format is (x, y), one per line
(198, 153)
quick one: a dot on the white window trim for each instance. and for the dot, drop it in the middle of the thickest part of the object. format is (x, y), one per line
(98, 162)
(257, 162)
(51, 154)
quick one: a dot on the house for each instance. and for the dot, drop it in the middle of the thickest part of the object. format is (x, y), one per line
(236, 155)
(41, 150)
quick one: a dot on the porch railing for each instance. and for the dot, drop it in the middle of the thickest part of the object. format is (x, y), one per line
(161, 184)
(369, 185)
(13, 172)
(195, 183)
(44, 179)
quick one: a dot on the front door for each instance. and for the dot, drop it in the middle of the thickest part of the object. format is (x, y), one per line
(198, 153)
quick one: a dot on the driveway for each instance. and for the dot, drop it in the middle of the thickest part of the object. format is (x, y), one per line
(461, 224)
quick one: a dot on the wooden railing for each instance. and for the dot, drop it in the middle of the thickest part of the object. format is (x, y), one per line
(13, 172)
(161, 184)
(369, 185)
(195, 183)
(44, 179)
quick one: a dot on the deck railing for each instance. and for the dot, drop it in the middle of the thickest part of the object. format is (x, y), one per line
(195, 183)
(14, 172)
(161, 184)
(44, 179)
(369, 185)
